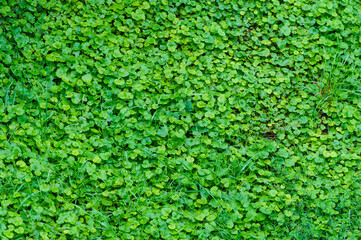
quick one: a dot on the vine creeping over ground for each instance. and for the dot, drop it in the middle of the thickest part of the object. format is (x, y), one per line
(180, 119)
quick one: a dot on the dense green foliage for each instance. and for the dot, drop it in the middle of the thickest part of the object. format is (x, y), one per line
(180, 119)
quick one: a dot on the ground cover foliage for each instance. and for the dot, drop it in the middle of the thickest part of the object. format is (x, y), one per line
(180, 119)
